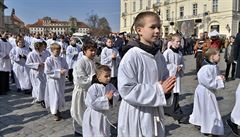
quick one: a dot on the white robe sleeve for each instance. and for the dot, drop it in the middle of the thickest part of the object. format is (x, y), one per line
(182, 65)
(96, 102)
(116, 95)
(134, 92)
(80, 75)
(30, 63)
(208, 79)
(14, 56)
(64, 65)
(50, 71)
(170, 65)
(106, 59)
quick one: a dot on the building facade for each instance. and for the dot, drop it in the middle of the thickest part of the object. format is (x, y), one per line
(46, 25)
(2, 7)
(190, 17)
(14, 24)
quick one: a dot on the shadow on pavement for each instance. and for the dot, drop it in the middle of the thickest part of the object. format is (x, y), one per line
(171, 127)
(10, 130)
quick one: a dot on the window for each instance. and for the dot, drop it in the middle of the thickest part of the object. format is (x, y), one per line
(215, 6)
(141, 2)
(134, 6)
(149, 3)
(195, 9)
(125, 7)
(181, 11)
(238, 5)
(125, 23)
(167, 15)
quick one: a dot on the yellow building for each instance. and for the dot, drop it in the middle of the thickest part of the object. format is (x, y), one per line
(190, 17)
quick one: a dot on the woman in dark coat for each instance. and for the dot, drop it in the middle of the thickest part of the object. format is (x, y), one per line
(237, 54)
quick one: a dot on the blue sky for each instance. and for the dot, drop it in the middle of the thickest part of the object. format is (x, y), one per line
(32, 10)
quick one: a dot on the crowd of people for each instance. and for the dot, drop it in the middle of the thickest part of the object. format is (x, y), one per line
(142, 73)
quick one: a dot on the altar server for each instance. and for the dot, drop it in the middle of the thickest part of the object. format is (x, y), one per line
(21, 73)
(55, 68)
(83, 72)
(101, 96)
(206, 113)
(143, 82)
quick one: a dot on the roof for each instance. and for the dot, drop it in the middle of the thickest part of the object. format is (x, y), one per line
(4, 6)
(15, 18)
(40, 23)
(82, 25)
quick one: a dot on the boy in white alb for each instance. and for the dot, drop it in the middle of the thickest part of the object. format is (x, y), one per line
(21, 73)
(72, 52)
(5, 64)
(35, 61)
(205, 113)
(100, 97)
(110, 57)
(83, 72)
(55, 68)
(175, 65)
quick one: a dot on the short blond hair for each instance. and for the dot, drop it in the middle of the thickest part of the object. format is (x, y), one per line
(55, 46)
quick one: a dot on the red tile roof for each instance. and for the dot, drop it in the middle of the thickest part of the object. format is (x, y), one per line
(82, 25)
(39, 23)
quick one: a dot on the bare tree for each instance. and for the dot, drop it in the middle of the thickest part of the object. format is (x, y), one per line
(99, 26)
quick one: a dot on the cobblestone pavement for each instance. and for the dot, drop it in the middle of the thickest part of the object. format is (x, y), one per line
(20, 118)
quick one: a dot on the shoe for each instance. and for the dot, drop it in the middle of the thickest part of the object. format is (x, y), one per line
(19, 90)
(197, 127)
(57, 118)
(43, 104)
(76, 134)
(28, 92)
(183, 120)
(232, 78)
(233, 127)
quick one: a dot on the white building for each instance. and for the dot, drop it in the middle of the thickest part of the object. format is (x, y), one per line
(187, 16)
(46, 25)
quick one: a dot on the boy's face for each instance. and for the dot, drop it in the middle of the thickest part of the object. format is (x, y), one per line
(90, 53)
(20, 43)
(104, 77)
(109, 43)
(56, 52)
(216, 58)
(150, 32)
(41, 48)
(176, 42)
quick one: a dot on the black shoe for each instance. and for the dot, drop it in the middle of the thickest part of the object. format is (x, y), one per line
(183, 120)
(43, 104)
(232, 78)
(27, 92)
(19, 90)
(197, 127)
(76, 134)
(233, 127)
